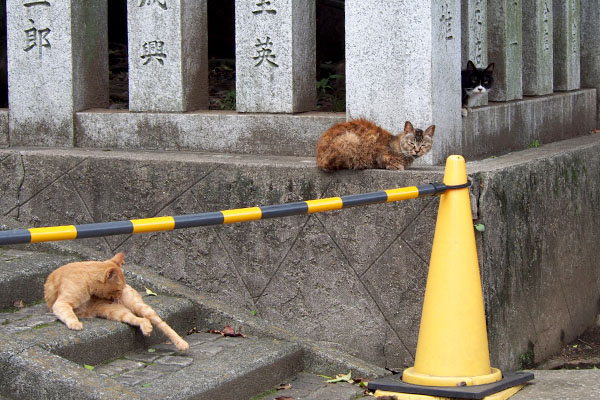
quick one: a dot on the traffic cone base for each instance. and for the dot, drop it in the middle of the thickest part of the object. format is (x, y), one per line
(411, 376)
(503, 395)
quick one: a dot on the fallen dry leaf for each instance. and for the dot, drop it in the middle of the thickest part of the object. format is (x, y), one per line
(284, 386)
(227, 331)
(18, 304)
(285, 398)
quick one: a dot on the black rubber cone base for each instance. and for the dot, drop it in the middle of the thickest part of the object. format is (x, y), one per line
(394, 383)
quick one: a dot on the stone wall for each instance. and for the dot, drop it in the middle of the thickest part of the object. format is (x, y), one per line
(353, 279)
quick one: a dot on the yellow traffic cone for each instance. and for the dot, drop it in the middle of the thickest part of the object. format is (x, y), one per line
(452, 351)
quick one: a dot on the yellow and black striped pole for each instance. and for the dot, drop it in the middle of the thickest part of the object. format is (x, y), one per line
(68, 232)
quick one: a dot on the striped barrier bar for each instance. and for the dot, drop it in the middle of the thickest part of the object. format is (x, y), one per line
(68, 232)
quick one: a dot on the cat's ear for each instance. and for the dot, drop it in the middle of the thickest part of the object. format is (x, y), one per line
(429, 131)
(408, 128)
(112, 274)
(118, 259)
(470, 66)
(490, 68)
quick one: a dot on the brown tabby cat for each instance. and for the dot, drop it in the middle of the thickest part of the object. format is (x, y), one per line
(98, 289)
(360, 144)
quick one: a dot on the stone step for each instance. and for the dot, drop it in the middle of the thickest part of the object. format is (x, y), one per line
(41, 358)
(23, 273)
(214, 367)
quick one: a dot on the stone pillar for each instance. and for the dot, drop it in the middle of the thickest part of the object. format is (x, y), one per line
(505, 46)
(537, 47)
(168, 55)
(590, 48)
(566, 44)
(474, 37)
(57, 65)
(403, 63)
(275, 50)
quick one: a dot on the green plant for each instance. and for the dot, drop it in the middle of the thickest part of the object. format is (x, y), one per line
(324, 84)
(329, 95)
(527, 359)
(228, 103)
(535, 144)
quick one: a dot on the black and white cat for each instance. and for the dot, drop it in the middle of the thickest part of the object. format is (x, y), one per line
(475, 82)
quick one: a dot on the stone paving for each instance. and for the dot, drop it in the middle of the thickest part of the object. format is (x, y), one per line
(25, 318)
(313, 387)
(142, 367)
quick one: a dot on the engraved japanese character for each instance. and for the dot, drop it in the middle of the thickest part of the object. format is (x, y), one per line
(265, 6)
(37, 38)
(264, 52)
(36, 3)
(161, 3)
(153, 50)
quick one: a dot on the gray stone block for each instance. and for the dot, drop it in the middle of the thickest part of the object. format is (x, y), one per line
(403, 63)
(168, 55)
(566, 44)
(474, 37)
(505, 47)
(504, 127)
(590, 46)
(538, 47)
(275, 56)
(213, 131)
(57, 65)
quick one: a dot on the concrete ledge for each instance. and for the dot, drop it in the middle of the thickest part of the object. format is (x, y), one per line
(213, 131)
(500, 128)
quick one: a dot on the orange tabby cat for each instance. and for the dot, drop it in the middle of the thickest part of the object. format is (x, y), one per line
(98, 289)
(360, 144)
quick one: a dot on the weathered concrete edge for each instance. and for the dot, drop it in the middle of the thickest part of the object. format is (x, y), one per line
(218, 131)
(503, 127)
(28, 372)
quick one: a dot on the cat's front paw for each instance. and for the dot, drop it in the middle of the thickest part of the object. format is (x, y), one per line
(182, 345)
(75, 325)
(395, 166)
(465, 112)
(146, 327)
